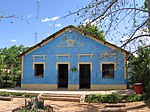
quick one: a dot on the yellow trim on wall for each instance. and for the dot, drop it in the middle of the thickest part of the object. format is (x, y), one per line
(107, 87)
(103, 42)
(115, 66)
(39, 55)
(58, 55)
(73, 86)
(108, 55)
(82, 33)
(85, 63)
(125, 67)
(22, 67)
(57, 63)
(39, 86)
(38, 63)
(79, 55)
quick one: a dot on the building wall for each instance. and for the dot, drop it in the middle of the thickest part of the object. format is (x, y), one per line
(90, 46)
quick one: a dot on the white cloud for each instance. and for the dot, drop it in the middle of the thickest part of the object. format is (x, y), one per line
(28, 16)
(13, 40)
(58, 25)
(95, 23)
(50, 19)
(87, 21)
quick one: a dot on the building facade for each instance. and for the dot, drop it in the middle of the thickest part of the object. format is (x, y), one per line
(70, 59)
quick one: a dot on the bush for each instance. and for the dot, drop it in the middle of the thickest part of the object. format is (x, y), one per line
(133, 98)
(5, 94)
(1, 83)
(93, 98)
(112, 98)
(148, 89)
(98, 98)
(26, 95)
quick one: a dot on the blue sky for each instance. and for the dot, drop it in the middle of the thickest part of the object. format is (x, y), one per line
(22, 30)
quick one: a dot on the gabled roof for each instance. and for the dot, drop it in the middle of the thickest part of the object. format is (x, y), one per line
(71, 27)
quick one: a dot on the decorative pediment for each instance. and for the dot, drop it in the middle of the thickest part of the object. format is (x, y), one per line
(107, 55)
(39, 56)
(70, 43)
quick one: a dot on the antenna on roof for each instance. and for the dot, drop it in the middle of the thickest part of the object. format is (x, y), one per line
(37, 21)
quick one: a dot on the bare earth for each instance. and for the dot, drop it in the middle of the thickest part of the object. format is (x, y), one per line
(59, 106)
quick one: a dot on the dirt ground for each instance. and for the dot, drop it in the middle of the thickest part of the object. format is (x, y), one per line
(59, 106)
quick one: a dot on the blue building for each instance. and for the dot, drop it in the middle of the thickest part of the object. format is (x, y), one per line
(73, 60)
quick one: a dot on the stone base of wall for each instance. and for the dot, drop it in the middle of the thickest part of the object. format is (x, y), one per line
(107, 87)
(39, 86)
(71, 87)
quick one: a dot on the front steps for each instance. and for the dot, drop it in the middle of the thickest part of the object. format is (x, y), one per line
(120, 107)
(61, 97)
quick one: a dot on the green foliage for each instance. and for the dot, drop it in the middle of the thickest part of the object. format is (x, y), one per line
(1, 82)
(74, 69)
(92, 30)
(112, 98)
(10, 65)
(98, 98)
(139, 68)
(133, 98)
(16, 94)
(5, 94)
(93, 98)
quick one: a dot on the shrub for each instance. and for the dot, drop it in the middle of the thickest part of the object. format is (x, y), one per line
(26, 95)
(112, 98)
(1, 83)
(133, 98)
(5, 94)
(98, 98)
(93, 98)
(17, 94)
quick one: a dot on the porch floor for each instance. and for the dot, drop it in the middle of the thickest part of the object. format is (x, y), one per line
(85, 92)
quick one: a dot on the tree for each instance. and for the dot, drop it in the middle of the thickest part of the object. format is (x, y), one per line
(139, 68)
(10, 64)
(132, 18)
(92, 30)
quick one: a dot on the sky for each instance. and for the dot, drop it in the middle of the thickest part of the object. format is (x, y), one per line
(22, 30)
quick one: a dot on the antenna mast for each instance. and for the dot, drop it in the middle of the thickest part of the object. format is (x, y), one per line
(37, 20)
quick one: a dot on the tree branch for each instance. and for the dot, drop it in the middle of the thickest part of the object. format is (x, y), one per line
(131, 38)
(107, 8)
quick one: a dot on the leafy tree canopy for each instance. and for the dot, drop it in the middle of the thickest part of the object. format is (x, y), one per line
(126, 22)
(10, 65)
(139, 68)
(92, 30)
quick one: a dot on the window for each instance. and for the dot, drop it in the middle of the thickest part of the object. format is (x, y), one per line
(108, 70)
(39, 70)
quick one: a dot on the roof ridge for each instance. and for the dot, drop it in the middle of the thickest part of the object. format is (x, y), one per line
(63, 29)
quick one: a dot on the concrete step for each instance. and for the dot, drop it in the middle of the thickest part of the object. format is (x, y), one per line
(60, 97)
(118, 107)
(71, 99)
(115, 105)
(114, 109)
